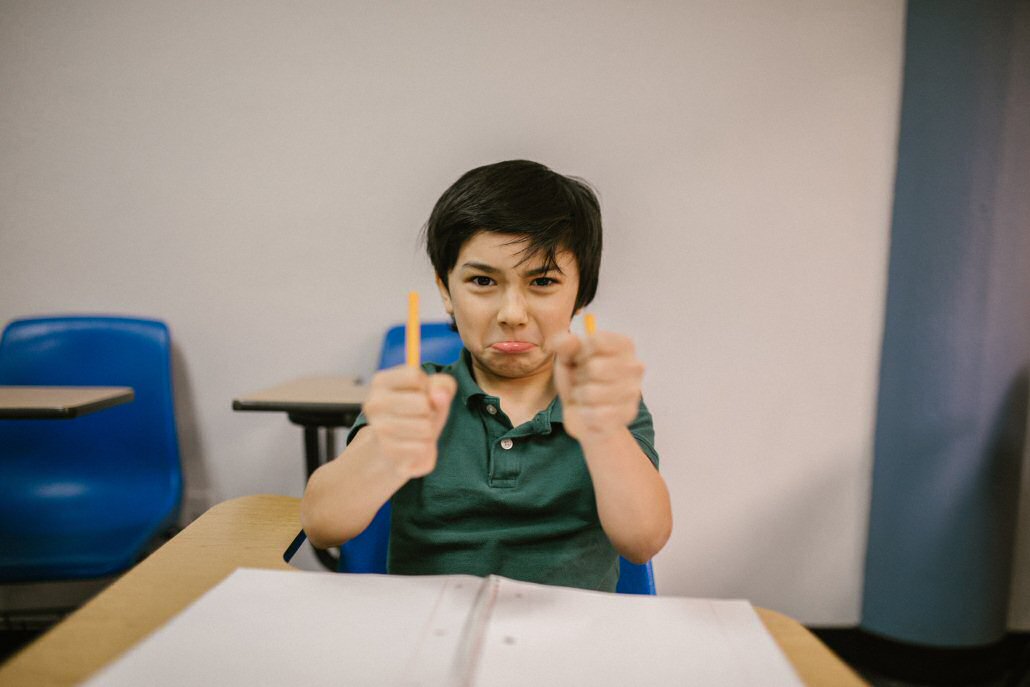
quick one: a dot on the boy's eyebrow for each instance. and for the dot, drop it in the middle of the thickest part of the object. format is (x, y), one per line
(543, 270)
(483, 267)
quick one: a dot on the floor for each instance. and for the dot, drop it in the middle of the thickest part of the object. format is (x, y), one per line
(1009, 666)
(877, 680)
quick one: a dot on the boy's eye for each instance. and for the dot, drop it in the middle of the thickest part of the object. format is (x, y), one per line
(544, 281)
(481, 281)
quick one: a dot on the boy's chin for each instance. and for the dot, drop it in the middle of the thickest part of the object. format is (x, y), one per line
(515, 366)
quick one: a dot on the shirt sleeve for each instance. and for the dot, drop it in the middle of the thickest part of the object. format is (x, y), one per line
(642, 429)
(358, 424)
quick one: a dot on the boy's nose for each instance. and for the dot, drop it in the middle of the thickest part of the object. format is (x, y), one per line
(513, 309)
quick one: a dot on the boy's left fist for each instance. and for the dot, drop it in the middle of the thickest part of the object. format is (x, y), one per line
(598, 380)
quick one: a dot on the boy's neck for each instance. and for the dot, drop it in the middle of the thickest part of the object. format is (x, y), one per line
(520, 395)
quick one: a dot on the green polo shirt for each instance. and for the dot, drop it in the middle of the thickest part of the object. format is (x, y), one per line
(504, 500)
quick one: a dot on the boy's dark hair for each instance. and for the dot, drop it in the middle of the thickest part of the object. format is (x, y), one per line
(550, 212)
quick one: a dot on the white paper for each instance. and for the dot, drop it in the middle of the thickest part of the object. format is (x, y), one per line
(263, 627)
(266, 627)
(540, 635)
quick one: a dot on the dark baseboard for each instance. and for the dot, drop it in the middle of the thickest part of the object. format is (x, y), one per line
(1006, 660)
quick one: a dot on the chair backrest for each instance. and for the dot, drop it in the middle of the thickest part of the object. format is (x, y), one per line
(113, 476)
(366, 553)
(440, 344)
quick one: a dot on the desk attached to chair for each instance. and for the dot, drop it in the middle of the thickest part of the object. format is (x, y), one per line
(320, 405)
(313, 403)
(58, 402)
(254, 532)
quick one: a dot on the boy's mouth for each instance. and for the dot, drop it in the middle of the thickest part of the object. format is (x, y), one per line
(512, 346)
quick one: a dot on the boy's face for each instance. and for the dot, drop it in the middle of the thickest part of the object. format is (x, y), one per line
(506, 309)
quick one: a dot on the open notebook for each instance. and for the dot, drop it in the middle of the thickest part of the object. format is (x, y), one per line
(263, 627)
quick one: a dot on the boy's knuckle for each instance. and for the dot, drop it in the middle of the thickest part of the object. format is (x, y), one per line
(373, 408)
(422, 431)
(386, 430)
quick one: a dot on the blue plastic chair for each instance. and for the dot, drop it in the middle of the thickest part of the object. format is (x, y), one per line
(366, 553)
(83, 498)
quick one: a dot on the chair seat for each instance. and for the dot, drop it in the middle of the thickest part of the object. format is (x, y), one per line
(63, 556)
(78, 504)
(65, 523)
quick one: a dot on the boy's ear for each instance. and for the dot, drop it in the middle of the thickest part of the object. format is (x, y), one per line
(446, 296)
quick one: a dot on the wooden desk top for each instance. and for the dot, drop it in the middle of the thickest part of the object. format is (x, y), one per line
(308, 394)
(254, 531)
(59, 402)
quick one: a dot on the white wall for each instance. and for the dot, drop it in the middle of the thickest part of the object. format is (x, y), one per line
(255, 174)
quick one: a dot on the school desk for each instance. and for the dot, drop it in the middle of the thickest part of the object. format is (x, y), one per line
(58, 402)
(254, 532)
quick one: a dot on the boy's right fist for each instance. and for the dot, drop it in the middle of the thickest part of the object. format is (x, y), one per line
(406, 411)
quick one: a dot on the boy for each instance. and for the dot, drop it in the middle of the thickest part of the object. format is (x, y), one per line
(532, 456)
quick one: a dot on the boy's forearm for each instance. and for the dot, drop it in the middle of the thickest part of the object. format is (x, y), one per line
(343, 496)
(632, 499)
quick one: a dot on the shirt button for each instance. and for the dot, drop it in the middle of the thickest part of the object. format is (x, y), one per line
(507, 444)
(491, 409)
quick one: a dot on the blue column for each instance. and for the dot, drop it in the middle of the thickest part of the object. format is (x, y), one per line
(952, 407)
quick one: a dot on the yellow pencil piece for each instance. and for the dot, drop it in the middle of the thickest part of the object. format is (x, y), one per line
(413, 332)
(590, 322)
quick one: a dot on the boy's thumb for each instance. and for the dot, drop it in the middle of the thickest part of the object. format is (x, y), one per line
(565, 346)
(442, 388)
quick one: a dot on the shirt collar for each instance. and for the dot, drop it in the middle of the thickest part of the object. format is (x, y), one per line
(468, 389)
(554, 411)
